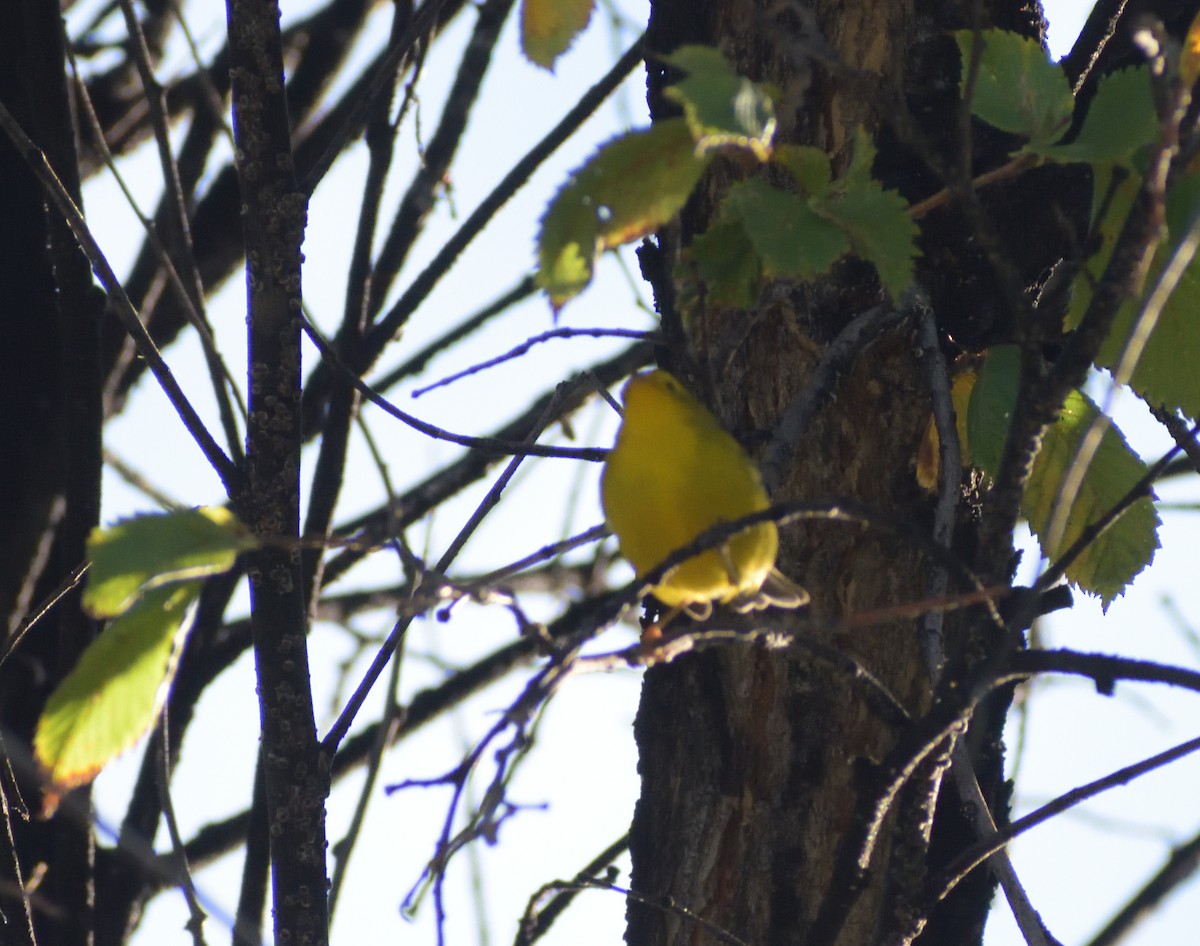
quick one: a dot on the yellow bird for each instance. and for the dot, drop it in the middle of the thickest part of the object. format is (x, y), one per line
(673, 473)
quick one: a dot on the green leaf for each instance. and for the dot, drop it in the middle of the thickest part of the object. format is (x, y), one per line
(862, 162)
(1114, 190)
(808, 166)
(1017, 88)
(630, 187)
(880, 230)
(1112, 561)
(1128, 545)
(788, 236)
(147, 551)
(1165, 374)
(722, 108)
(727, 264)
(548, 27)
(992, 401)
(1120, 121)
(115, 691)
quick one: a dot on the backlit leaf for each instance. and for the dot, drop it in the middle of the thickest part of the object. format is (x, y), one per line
(113, 694)
(1165, 373)
(633, 185)
(151, 550)
(1113, 559)
(548, 27)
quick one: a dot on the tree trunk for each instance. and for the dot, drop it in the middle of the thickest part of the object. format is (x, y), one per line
(50, 420)
(756, 765)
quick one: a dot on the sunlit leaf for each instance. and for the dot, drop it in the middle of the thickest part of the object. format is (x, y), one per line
(151, 550)
(722, 108)
(1017, 88)
(1114, 558)
(548, 27)
(630, 187)
(114, 692)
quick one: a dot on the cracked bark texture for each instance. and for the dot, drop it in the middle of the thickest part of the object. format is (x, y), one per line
(754, 763)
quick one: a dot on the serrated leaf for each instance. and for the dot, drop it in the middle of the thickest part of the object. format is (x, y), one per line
(113, 694)
(1112, 561)
(151, 550)
(1017, 88)
(721, 107)
(880, 231)
(548, 27)
(788, 236)
(727, 264)
(1120, 121)
(1128, 545)
(630, 187)
(1165, 374)
(808, 166)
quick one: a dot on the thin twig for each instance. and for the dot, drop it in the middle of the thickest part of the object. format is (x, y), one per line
(196, 914)
(949, 478)
(341, 726)
(976, 855)
(1131, 353)
(799, 414)
(535, 922)
(1140, 490)
(437, 433)
(525, 288)
(1180, 867)
(229, 474)
(181, 262)
(526, 346)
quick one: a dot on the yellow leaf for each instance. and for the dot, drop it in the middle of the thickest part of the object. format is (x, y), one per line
(1189, 67)
(548, 27)
(929, 452)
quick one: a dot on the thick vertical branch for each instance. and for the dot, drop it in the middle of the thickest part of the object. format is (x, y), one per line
(754, 763)
(273, 218)
(50, 429)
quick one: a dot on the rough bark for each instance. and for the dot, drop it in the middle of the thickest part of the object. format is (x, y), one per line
(755, 764)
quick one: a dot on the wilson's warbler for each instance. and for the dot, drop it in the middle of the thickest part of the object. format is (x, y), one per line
(673, 473)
